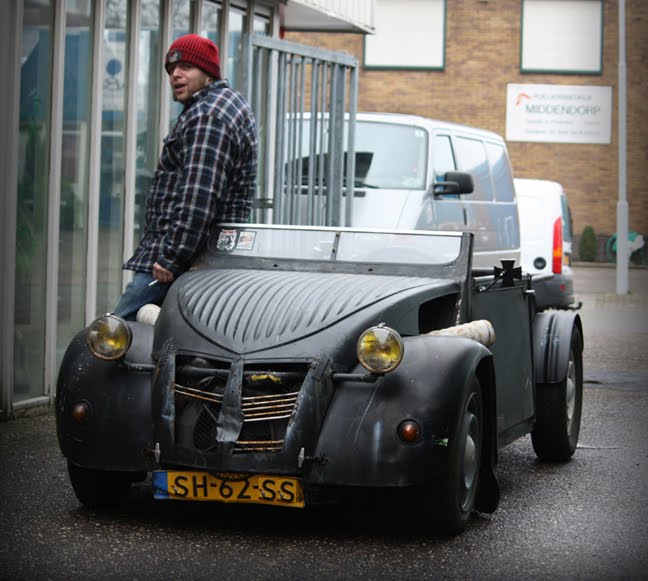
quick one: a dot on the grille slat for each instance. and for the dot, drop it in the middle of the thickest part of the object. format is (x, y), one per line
(263, 417)
(188, 391)
(293, 394)
(250, 408)
(283, 411)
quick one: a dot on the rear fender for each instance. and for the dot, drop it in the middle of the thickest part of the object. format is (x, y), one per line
(359, 444)
(552, 333)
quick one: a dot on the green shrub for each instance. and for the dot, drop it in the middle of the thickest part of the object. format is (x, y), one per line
(588, 246)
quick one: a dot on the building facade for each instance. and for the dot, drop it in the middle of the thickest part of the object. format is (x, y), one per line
(460, 60)
(85, 107)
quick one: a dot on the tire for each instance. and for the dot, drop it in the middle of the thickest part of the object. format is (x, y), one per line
(99, 489)
(559, 408)
(449, 504)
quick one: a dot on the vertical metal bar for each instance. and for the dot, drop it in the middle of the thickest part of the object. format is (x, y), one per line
(196, 16)
(224, 36)
(270, 129)
(292, 150)
(275, 21)
(333, 191)
(279, 144)
(246, 73)
(623, 250)
(256, 77)
(312, 144)
(342, 153)
(166, 24)
(249, 21)
(54, 197)
(351, 125)
(287, 152)
(324, 121)
(130, 150)
(10, 37)
(299, 218)
(94, 174)
(255, 80)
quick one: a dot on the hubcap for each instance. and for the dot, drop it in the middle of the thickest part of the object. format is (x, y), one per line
(469, 462)
(570, 395)
(471, 444)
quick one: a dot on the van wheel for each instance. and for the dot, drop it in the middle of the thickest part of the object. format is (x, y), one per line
(99, 489)
(451, 501)
(559, 408)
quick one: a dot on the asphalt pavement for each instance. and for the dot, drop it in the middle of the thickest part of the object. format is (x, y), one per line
(615, 326)
(586, 519)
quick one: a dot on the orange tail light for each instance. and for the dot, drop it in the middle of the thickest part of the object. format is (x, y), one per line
(557, 256)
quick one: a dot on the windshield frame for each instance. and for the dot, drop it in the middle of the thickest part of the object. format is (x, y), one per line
(225, 254)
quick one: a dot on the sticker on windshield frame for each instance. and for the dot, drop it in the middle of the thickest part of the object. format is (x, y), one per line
(226, 241)
(246, 240)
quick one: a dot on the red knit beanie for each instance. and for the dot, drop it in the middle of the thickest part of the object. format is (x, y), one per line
(198, 51)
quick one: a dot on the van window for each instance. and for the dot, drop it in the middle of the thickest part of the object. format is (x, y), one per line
(442, 157)
(391, 156)
(567, 219)
(387, 155)
(502, 178)
(443, 161)
(472, 159)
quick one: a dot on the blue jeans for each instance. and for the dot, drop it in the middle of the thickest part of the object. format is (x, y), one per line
(138, 293)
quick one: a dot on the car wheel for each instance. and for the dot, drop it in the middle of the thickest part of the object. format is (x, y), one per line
(99, 488)
(452, 500)
(558, 410)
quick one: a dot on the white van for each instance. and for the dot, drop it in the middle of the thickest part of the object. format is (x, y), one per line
(415, 173)
(546, 241)
(404, 164)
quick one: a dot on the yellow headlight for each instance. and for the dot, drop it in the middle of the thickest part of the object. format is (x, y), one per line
(380, 349)
(109, 337)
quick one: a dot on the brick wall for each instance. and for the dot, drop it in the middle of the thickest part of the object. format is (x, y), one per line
(482, 55)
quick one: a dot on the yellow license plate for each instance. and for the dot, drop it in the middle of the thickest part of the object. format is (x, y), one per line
(224, 487)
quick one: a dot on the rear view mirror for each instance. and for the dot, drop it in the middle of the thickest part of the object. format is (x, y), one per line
(454, 182)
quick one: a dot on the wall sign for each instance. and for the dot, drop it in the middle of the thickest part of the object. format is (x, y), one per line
(558, 113)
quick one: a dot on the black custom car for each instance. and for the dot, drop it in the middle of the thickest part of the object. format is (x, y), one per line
(292, 364)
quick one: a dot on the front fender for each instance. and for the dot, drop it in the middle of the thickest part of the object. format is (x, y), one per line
(117, 434)
(359, 445)
(552, 333)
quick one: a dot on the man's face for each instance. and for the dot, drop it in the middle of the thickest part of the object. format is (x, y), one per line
(186, 79)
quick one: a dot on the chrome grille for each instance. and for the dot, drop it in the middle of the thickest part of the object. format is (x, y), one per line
(267, 403)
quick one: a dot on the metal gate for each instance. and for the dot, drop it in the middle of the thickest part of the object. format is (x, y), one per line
(305, 102)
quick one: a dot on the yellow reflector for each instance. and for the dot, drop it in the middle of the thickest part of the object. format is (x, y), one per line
(109, 337)
(380, 349)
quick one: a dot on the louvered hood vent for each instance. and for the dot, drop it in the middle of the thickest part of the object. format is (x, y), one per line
(261, 309)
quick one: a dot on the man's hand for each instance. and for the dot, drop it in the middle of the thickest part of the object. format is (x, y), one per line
(161, 274)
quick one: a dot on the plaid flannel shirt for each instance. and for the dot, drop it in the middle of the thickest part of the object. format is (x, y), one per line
(206, 174)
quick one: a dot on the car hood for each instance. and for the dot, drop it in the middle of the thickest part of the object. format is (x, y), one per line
(243, 311)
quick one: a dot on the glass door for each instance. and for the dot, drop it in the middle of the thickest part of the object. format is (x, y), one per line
(32, 200)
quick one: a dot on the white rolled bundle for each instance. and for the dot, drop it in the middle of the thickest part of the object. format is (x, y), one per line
(481, 331)
(148, 314)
